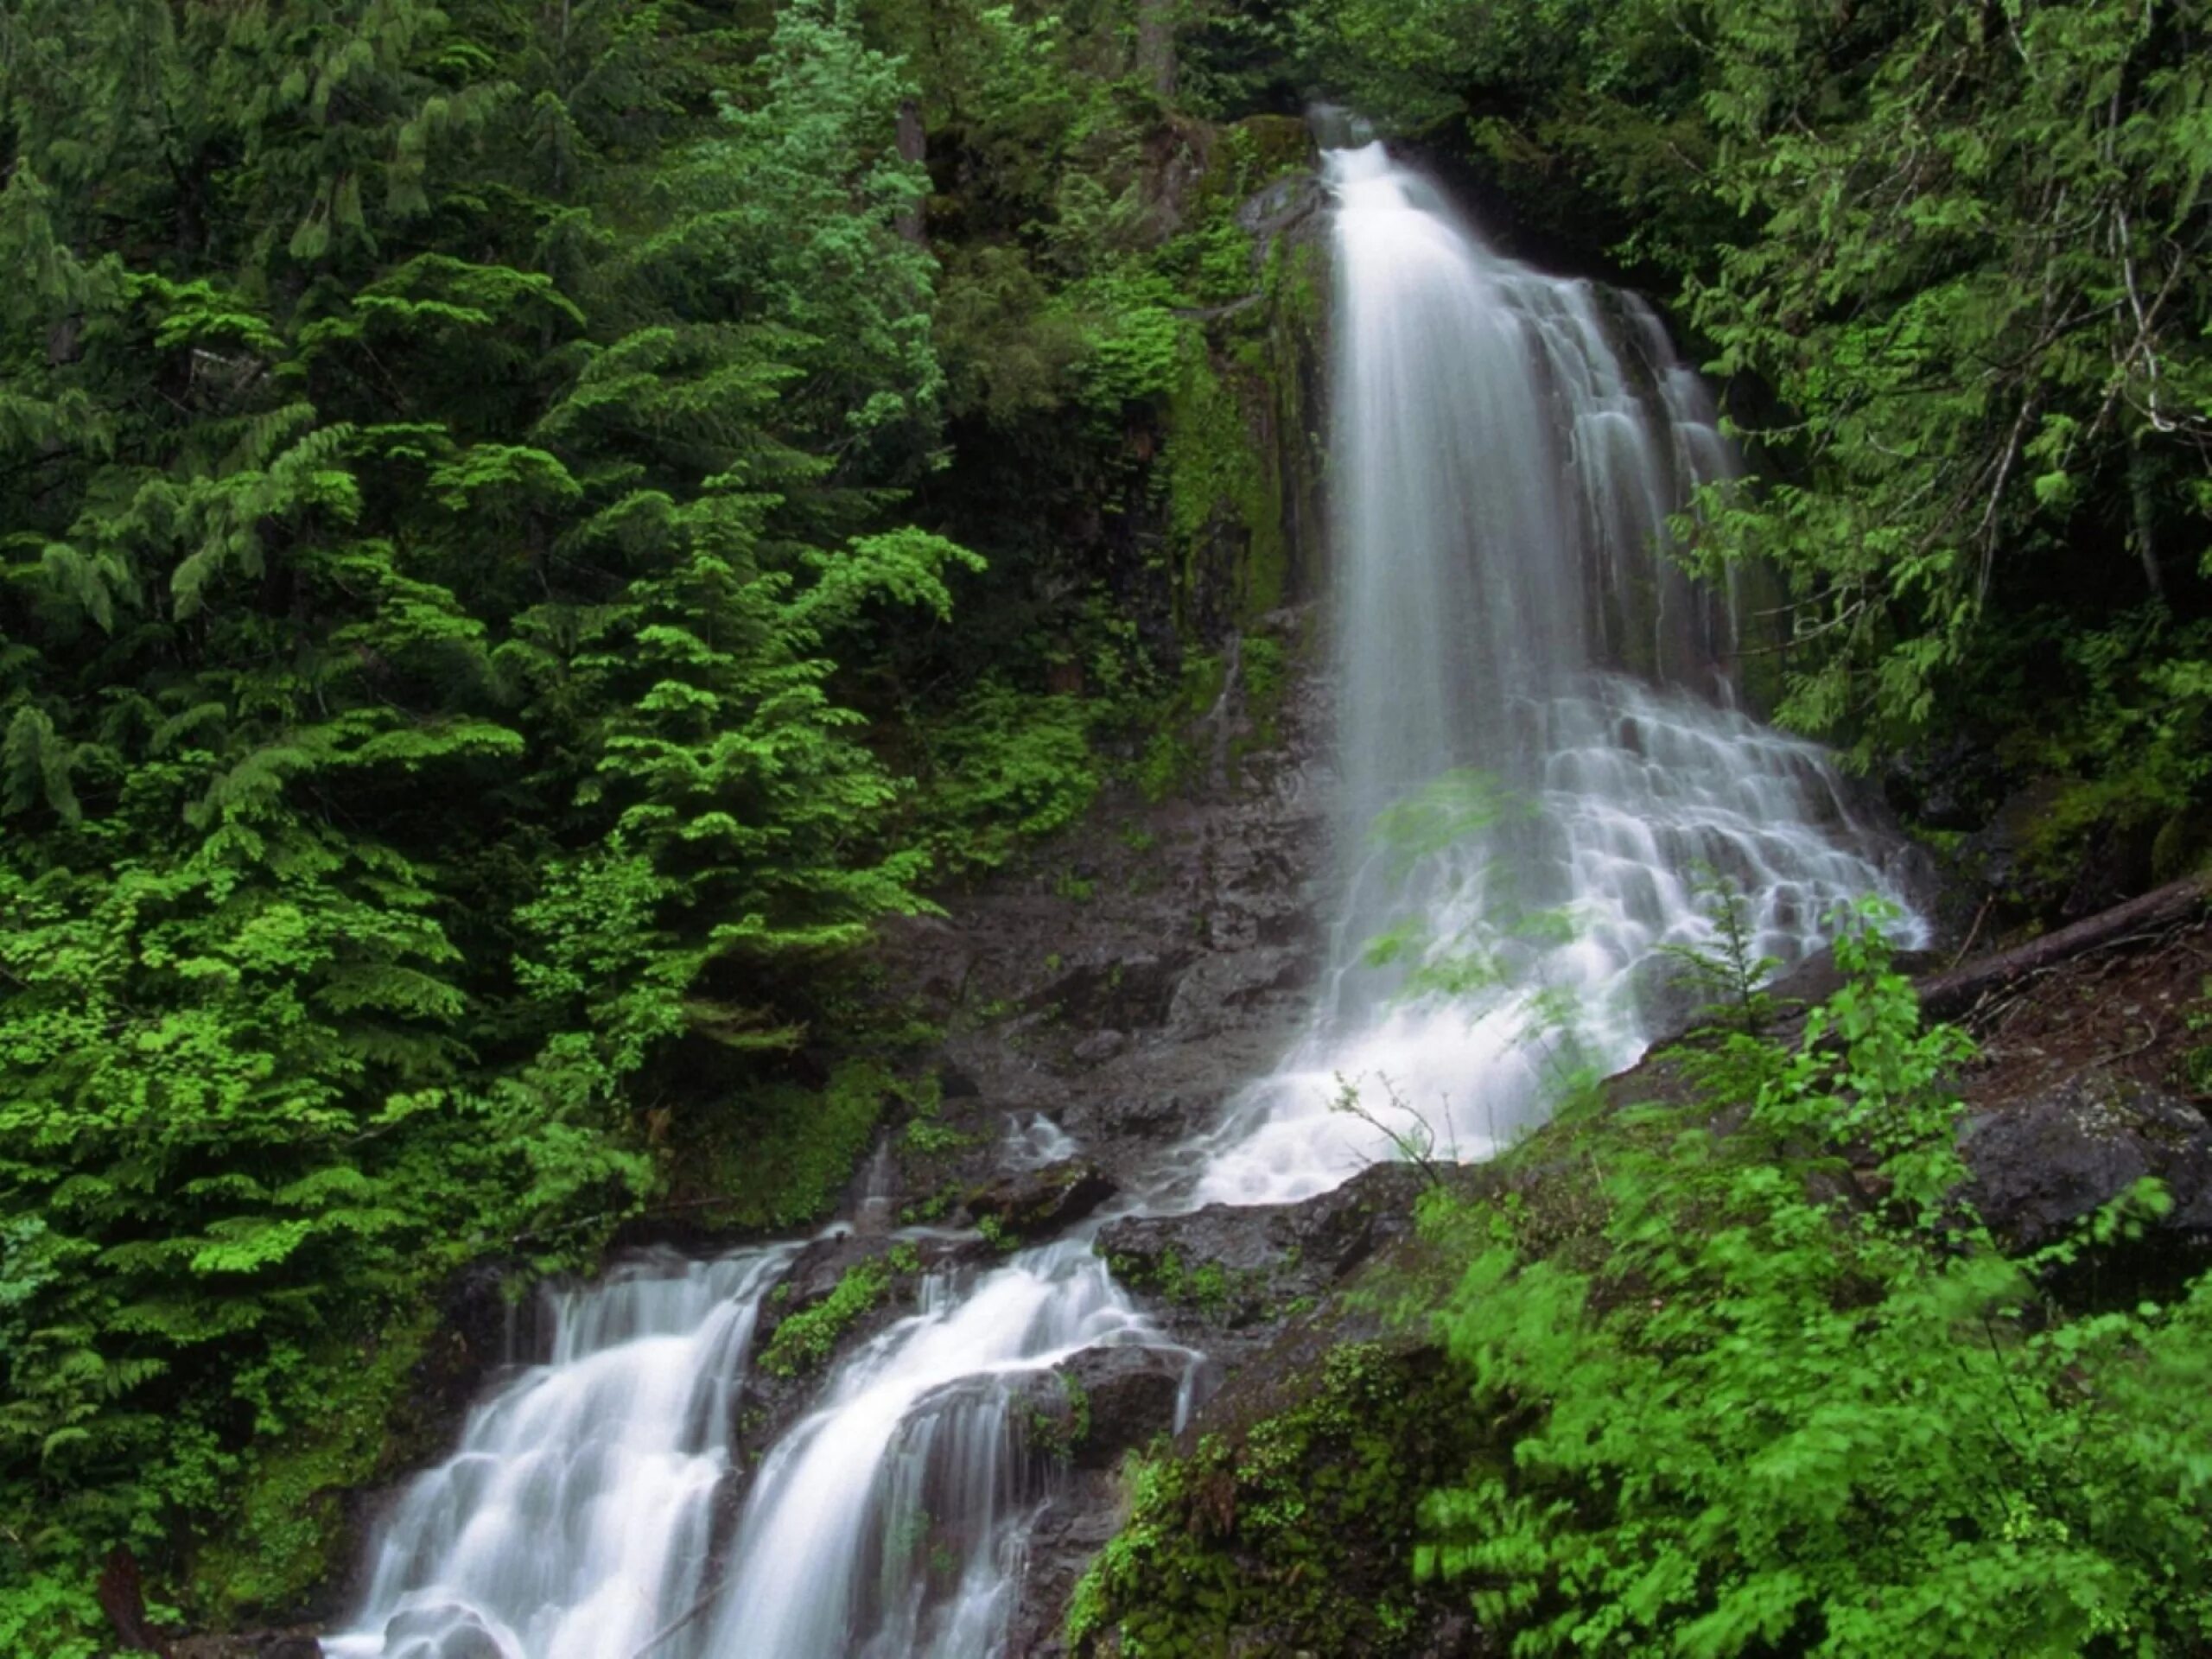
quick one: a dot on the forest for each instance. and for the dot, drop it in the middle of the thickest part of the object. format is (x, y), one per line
(537, 536)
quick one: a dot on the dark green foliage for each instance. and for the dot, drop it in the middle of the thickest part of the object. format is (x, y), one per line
(1287, 1535)
(782, 1162)
(1953, 259)
(436, 496)
(484, 493)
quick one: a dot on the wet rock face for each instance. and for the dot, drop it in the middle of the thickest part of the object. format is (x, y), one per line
(1292, 207)
(1144, 967)
(1120, 1397)
(769, 1402)
(1032, 1204)
(2041, 1166)
(1225, 1278)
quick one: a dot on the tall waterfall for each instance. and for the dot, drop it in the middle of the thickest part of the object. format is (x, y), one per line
(1542, 775)
(1537, 709)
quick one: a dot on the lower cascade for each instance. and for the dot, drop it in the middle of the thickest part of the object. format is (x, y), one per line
(1542, 768)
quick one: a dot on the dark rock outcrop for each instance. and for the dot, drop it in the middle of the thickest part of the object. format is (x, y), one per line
(1226, 1277)
(1120, 1398)
(2041, 1166)
(1034, 1204)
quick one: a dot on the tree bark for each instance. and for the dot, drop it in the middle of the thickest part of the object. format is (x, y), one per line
(1156, 23)
(1950, 994)
(913, 147)
(123, 1600)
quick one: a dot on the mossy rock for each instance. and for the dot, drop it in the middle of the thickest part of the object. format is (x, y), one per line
(1294, 1533)
(780, 1156)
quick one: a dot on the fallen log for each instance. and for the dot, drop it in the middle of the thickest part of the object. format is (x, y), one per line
(1953, 994)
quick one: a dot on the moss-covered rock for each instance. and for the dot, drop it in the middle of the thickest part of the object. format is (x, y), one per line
(782, 1157)
(1294, 1532)
(1034, 1203)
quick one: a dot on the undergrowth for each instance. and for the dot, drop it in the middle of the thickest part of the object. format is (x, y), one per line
(1800, 1402)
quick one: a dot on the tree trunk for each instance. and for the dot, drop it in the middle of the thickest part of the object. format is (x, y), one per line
(1156, 45)
(913, 147)
(124, 1601)
(1948, 996)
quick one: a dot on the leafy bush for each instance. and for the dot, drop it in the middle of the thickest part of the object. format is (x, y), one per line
(1797, 1400)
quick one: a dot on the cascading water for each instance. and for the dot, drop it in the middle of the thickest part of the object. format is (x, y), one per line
(579, 1509)
(1508, 448)
(578, 1519)
(1522, 822)
(888, 1524)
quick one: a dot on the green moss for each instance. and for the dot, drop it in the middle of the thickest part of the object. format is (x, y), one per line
(935, 1207)
(804, 1341)
(1296, 1533)
(288, 1536)
(927, 1136)
(1221, 487)
(1171, 760)
(808, 1338)
(1209, 1288)
(1060, 1435)
(784, 1154)
(1276, 145)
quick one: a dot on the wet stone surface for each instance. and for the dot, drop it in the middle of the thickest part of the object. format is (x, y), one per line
(1138, 973)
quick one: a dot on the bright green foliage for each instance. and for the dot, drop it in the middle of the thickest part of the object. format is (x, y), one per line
(437, 495)
(486, 629)
(1795, 1400)
(806, 1339)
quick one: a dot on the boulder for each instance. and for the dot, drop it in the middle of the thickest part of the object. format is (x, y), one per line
(1121, 1397)
(1034, 1204)
(1231, 1268)
(2040, 1165)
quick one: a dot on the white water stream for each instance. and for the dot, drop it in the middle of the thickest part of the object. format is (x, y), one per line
(1516, 658)
(1507, 449)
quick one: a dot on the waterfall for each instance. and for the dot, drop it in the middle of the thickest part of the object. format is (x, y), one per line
(578, 1520)
(886, 1525)
(1537, 710)
(1544, 780)
(576, 1516)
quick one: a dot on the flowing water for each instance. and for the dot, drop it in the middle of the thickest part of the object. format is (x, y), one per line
(578, 1511)
(1541, 765)
(1543, 779)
